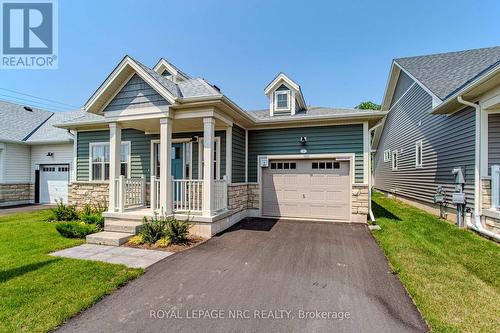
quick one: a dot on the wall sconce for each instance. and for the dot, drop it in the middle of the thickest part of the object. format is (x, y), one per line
(194, 138)
(303, 140)
(50, 154)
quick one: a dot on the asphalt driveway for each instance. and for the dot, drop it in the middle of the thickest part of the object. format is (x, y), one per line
(264, 276)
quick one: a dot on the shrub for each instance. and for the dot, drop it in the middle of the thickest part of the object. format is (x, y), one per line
(75, 229)
(63, 213)
(136, 240)
(162, 242)
(89, 209)
(96, 218)
(154, 228)
(176, 231)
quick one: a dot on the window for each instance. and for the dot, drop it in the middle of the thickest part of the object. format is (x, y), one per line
(216, 152)
(183, 152)
(284, 165)
(325, 165)
(100, 160)
(387, 155)
(418, 154)
(395, 160)
(282, 99)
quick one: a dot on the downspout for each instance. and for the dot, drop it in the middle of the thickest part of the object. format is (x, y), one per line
(477, 225)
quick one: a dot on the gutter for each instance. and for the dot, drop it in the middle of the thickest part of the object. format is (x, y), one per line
(477, 225)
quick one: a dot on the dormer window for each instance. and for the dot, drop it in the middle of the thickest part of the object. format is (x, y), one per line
(282, 100)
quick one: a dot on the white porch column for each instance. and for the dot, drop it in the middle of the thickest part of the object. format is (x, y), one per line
(166, 165)
(115, 139)
(208, 166)
(229, 154)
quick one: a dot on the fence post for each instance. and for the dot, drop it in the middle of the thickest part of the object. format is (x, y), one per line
(121, 193)
(224, 191)
(152, 192)
(143, 190)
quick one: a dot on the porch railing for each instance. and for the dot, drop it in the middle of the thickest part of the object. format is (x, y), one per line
(187, 195)
(220, 194)
(495, 186)
(129, 193)
(155, 193)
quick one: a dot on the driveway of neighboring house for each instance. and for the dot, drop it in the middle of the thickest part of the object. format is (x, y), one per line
(23, 209)
(273, 273)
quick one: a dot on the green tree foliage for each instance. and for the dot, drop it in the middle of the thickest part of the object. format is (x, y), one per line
(368, 105)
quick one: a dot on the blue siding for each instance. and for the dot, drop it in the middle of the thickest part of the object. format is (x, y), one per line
(238, 156)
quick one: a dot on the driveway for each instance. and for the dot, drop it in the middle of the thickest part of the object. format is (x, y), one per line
(24, 208)
(264, 276)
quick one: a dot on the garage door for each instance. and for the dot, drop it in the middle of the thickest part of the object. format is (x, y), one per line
(54, 183)
(316, 189)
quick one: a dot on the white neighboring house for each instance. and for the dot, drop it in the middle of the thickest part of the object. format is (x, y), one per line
(36, 158)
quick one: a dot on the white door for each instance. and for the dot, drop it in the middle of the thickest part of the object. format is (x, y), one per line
(54, 183)
(315, 189)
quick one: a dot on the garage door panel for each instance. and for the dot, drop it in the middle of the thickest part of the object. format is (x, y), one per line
(54, 183)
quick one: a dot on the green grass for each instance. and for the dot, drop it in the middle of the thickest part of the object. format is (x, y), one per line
(453, 275)
(38, 292)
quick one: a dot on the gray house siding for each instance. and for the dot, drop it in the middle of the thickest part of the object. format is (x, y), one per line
(136, 93)
(493, 140)
(448, 142)
(404, 82)
(140, 155)
(238, 155)
(320, 140)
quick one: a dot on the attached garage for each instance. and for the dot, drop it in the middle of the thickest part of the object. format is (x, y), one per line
(310, 189)
(54, 183)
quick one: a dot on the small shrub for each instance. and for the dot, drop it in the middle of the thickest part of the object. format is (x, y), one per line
(75, 229)
(96, 218)
(163, 242)
(63, 213)
(136, 240)
(154, 228)
(176, 231)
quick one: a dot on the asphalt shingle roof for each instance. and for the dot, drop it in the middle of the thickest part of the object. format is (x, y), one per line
(445, 73)
(17, 123)
(312, 111)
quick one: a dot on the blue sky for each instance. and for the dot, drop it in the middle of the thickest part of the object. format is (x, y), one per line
(338, 51)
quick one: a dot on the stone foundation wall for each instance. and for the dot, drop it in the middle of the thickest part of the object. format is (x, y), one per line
(12, 193)
(359, 199)
(486, 191)
(82, 193)
(253, 196)
(237, 197)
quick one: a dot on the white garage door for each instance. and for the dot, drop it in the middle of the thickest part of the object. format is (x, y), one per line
(54, 183)
(316, 189)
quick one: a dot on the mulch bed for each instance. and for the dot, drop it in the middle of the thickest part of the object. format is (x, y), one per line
(192, 242)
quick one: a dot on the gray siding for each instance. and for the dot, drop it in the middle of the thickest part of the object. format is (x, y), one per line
(238, 155)
(493, 140)
(140, 151)
(404, 82)
(136, 93)
(320, 140)
(448, 142)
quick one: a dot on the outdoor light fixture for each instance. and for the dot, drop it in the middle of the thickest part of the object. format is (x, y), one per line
(303, 140)
(194, 138)
(50, 154)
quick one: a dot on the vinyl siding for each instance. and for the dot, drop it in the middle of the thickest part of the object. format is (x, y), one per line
(448, 142)
(17, 163)
(320, 140)
(404, 82)
(140, 151)
(134, 94)
(63, 154)
(493, 140)
(238, 155)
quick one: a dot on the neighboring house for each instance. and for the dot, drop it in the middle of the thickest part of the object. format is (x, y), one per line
(168, 142)
(36, 158)
(444, 113)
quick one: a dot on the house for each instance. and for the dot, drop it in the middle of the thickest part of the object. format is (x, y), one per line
(36, 158)
(166, 142)
(443, 113)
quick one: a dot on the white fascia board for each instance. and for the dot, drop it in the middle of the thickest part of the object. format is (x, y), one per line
(281, 78)
(342, 116)
(164, 64)
(390, 85)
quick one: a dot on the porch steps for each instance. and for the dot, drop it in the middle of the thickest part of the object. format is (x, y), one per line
(109, 238)
(130, 226)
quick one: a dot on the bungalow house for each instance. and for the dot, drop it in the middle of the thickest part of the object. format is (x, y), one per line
(166, 142)
(443, 113)
(36, 158)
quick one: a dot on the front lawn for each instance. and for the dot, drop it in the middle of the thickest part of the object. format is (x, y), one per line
(37, 291)
(453, 275)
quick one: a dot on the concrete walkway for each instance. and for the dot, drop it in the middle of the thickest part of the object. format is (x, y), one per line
(134, 258)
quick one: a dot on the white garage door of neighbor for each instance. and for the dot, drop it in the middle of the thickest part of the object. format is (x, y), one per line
(315, 189)
(54, 183)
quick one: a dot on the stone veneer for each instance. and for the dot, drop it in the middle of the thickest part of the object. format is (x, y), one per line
(16, 193)
(359, 199)
(486, 191)
(82, 193)
(489, 222)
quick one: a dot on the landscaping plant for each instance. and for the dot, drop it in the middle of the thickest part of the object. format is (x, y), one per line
(76, 229)
(153, 228)
(167, 229)
(176, 231)
(63, 212)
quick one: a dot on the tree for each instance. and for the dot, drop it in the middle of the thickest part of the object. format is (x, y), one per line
(368, 105)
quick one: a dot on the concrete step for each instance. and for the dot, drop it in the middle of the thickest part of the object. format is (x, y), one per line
(132, 227)
(109, 238)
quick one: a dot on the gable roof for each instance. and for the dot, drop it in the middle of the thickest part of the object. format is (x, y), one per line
(163, 65)
(282, 78)
(17, 123)
(446, 73)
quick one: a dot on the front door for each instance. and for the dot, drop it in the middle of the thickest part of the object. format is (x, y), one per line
(177, 161)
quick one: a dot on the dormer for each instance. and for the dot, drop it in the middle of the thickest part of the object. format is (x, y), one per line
(169, 71)
(285, 96)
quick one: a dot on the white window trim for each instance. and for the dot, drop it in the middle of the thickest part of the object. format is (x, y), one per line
(421, 145)
(395, 159)
(387, 155)
(200, 157)
(92, 144)
(282, 92)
